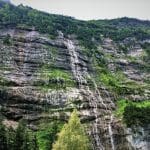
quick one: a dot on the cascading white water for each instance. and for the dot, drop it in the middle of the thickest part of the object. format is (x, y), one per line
(111, 133)
(98, 93)
(94, 103)
(75, 63)
(94, 97)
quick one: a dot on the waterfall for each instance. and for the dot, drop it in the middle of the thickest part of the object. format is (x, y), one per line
(111, 133)
(76, 69)
(94, 97)
(94, 102)
(98, 93)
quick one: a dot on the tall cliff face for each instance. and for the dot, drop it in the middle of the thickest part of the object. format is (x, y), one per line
(45, 78)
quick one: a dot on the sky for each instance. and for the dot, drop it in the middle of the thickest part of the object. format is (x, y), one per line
(92, 9)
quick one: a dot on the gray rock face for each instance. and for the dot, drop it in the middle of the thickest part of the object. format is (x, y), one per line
(32, 62)
(139, 137)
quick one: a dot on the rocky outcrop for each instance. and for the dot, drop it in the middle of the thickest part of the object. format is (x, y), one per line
(139, 137)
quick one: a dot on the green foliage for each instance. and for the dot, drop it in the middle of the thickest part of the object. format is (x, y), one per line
(147, 48)
(59, 74)
(121, 104)
(88, 32)
(146, 58)
(117, 82)
(34, 143)
(56, 79)
(7, 40)
(119, 29)
(5, 67)
(72, 136)
(11, 138)
(123, 48)
(114, 81)
(111, 79)
(48, 134)
(3, 137)
(133, 113)
(22, 141)
(5, 82)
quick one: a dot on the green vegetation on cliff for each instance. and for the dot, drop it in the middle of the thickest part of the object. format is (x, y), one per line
(6, 82)
(3, 137)
(55, 78)
(22, 138)
(134, 113)
(16, 139)
(116, 81)
(47, 134)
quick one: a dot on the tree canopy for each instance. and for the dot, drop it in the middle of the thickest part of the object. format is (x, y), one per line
(72, 136)
(88, 32)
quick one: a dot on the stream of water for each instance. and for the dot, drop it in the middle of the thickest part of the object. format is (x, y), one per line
(111, 133)
(79, 75)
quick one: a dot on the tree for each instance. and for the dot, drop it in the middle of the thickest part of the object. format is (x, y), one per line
(26, 141)
(72, 136)
(34, 143)
(47, 135)
(3, 137)
(22, 141)
(10, 138)
(52, 134)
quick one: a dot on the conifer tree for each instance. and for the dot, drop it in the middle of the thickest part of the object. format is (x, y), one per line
(72, 136)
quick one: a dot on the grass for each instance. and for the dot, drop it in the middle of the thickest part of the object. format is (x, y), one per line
(55, 73)
(55, 79)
